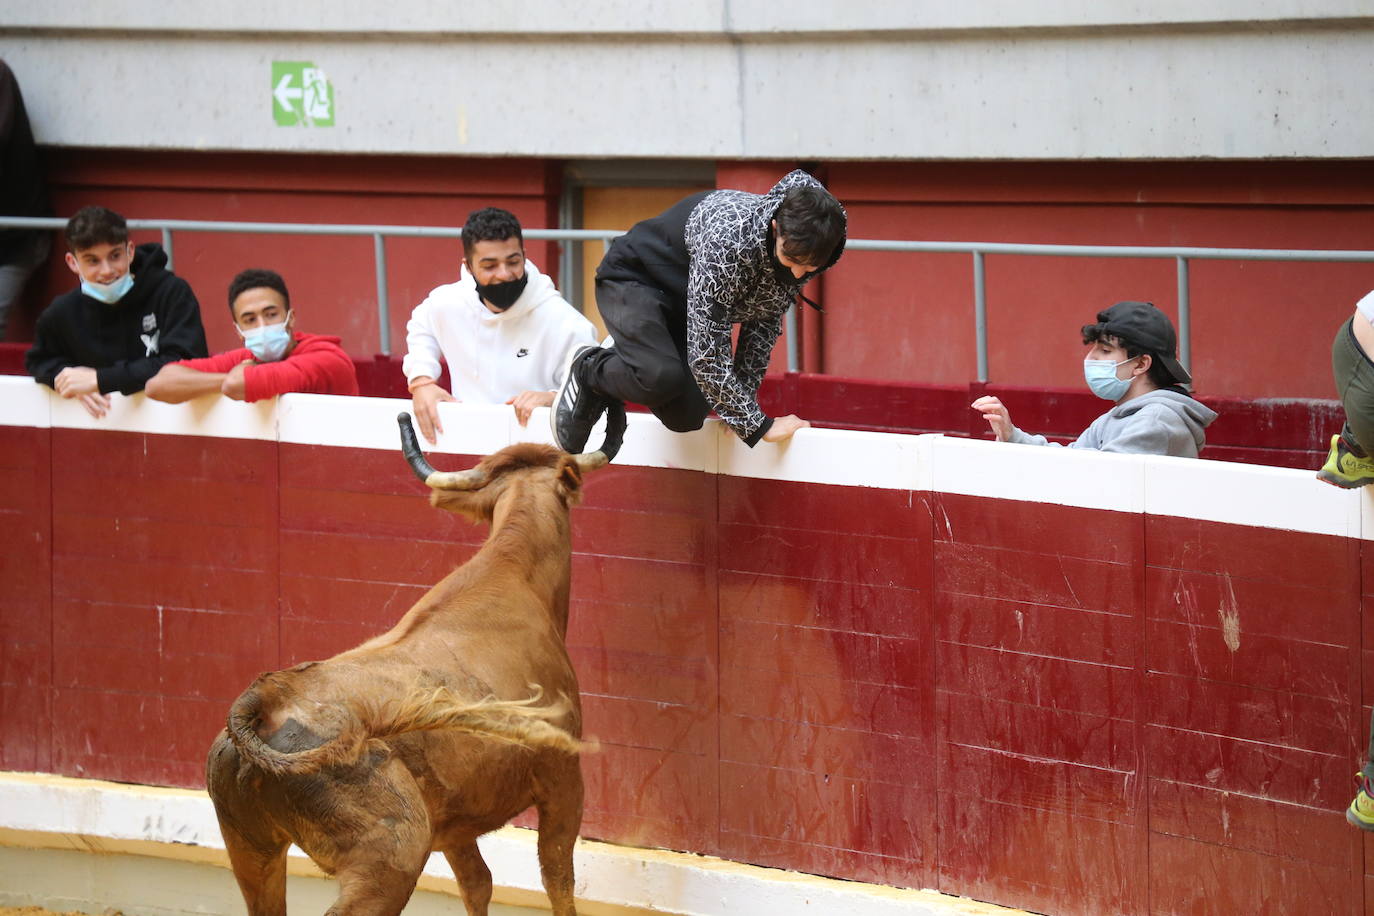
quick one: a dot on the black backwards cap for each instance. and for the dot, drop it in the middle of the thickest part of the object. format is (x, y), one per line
(1149, 329)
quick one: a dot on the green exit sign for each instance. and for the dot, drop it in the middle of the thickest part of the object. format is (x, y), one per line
(301, 95)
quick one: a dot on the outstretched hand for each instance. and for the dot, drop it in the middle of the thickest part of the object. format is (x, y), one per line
(783, 428)
(525, 402)
(997, 416)
(424, 404)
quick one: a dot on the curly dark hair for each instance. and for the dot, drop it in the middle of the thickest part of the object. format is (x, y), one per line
(256, 278)
(491, 224)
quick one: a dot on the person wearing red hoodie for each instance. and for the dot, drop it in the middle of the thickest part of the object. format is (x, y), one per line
(275, 358)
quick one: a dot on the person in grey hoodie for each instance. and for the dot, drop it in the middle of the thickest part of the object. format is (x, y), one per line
(1132, 361)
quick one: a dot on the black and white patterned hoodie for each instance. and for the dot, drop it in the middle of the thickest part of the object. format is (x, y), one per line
(731, 280)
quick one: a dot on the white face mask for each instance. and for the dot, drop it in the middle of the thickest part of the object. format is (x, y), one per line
(109, 293)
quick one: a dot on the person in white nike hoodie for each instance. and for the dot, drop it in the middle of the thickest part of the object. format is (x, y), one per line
(1132, 361)
(503, 328)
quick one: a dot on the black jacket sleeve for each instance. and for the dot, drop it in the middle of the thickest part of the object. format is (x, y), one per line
(180, 336)
(47, 357)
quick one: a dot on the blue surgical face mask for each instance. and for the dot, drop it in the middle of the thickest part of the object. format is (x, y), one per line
(109, 293)
(1101, 377)
(268, 342)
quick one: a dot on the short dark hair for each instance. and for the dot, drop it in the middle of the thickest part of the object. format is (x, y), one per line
(491, 224)
(256, 278)
(811, 223)
(91, 226)
(1158, 374)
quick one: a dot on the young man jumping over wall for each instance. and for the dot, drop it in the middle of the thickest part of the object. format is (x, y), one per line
(671, 289)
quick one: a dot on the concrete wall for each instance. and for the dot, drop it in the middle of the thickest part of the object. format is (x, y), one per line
(983, 80)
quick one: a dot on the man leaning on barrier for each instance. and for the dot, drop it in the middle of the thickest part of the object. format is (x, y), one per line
(275, 357)
(129, 317)
(1132, 361)
(503, 328)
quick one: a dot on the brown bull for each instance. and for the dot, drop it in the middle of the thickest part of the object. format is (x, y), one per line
(428, 736)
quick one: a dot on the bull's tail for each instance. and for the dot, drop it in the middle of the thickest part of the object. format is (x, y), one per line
(520, 722)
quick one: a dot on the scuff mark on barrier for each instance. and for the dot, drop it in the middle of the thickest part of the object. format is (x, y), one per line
(1229, 613)
(1186, 599)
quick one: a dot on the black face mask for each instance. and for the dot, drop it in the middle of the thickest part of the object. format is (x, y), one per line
(502, 295)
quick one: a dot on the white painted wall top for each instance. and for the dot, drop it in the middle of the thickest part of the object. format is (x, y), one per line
(1238, 494)
(983, 79)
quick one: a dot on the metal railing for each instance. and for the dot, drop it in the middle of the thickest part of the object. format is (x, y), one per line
(979, 251)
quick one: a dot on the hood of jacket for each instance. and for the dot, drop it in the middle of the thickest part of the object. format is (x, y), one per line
(773, 199)
(1196, 415)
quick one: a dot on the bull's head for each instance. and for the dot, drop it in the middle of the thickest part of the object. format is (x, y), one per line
(481, 475)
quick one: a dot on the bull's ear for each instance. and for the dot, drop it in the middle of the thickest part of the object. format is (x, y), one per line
(570, 475)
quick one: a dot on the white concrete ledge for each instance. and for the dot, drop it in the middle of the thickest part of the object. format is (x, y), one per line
(39, 811)
(1217, 491)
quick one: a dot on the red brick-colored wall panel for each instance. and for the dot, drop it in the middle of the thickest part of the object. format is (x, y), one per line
(133, 737)
(399, 515)
(827, 810)
(25, 597)
(1090, 739)
(1252, 713)
(825, 860)
(1273, 608)
(1046, 785)
(869, 559)
(1053, 683)
(1259, 825)
(853, 606)
(631, 721)
(671, 538)
(805, 506)
(1029, 703)
(1253, 883)
(650, 796)
(811, 652)
(1026, 575)
(367, 558)
(96, 579)
(1036, 629)
(25, 728)
(1069, 531)
(1289, 558)
(853, 753)
(1044, 861)
(1273, 662)
(1258, 768)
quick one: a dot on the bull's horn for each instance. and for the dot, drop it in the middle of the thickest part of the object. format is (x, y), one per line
(610, 447)
(438, 480)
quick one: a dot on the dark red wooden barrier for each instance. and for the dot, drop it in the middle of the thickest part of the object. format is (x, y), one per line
(1064, 709)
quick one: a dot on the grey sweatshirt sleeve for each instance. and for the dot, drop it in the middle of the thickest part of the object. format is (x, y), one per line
(1089, 438)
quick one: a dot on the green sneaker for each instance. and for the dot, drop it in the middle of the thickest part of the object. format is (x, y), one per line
(1344, 469)
(1361, 810)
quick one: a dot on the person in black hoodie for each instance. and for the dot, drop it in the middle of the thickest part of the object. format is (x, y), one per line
(670, 291)
(23, 192)
(129, 317)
